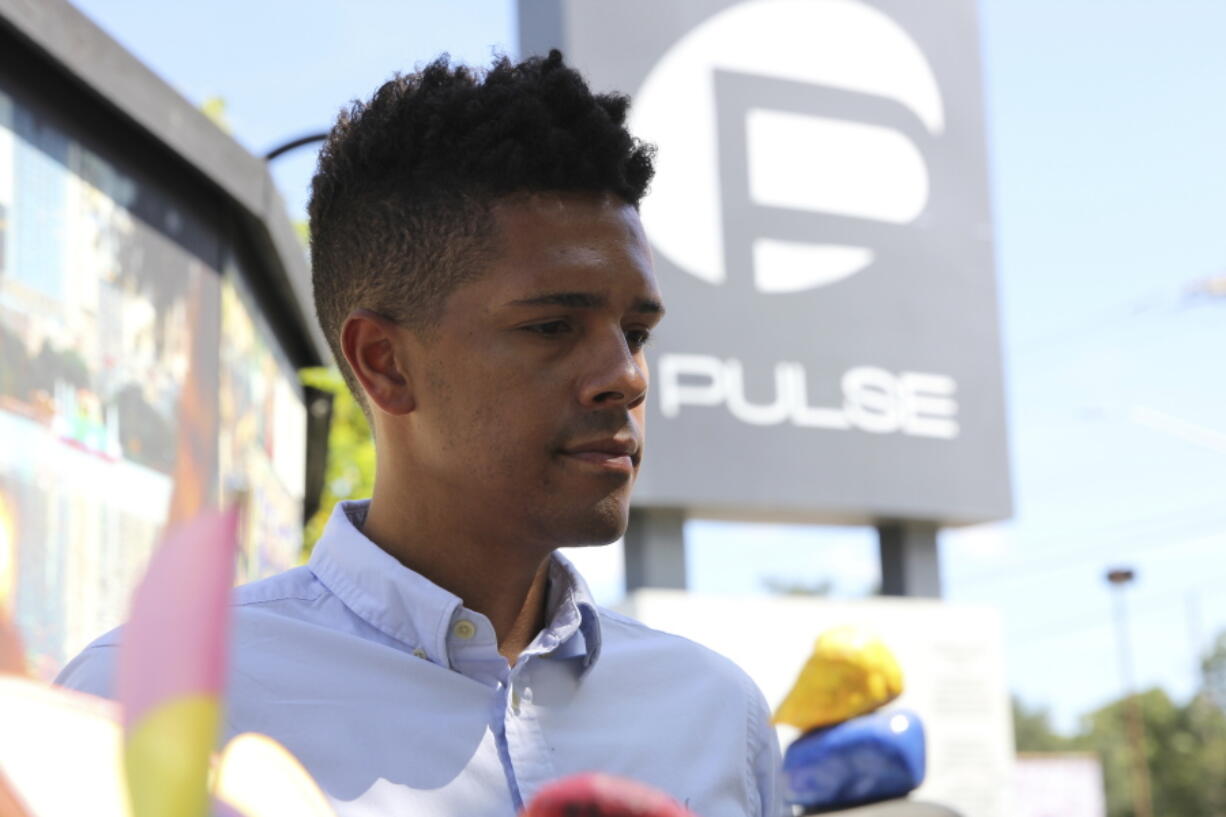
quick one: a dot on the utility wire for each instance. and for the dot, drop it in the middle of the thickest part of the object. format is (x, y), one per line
(1158, 303)
(1092, 555)
(1091, 619)
(1158, 527)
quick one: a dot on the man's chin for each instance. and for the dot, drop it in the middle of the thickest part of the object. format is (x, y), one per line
(604, 523)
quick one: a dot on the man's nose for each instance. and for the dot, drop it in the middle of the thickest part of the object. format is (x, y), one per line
(615, 376)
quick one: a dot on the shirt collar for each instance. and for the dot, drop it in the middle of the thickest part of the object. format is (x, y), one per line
(416, 612)
(572, 613)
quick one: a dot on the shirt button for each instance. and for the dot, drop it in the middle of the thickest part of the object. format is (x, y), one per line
(464, 629)
(419, 652)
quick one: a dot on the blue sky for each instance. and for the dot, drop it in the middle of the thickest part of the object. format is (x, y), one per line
(1109, 192)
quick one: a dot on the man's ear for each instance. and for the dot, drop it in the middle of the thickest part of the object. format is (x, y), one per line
(369, 343)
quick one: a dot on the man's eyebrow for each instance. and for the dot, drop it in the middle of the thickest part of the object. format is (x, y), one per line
(575, 300)
(648, 306)
(587, 300)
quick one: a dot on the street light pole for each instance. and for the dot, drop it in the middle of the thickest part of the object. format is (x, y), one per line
(1142, 797)
(294, 144)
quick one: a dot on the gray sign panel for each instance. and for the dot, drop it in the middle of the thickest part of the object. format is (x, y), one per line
(822, 234)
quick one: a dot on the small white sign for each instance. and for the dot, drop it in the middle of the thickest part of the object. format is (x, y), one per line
(1058, 784)
(951, 657)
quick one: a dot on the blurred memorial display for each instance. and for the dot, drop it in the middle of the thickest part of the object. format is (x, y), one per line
(144, 328)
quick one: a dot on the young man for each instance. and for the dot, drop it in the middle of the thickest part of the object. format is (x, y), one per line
(483, 278)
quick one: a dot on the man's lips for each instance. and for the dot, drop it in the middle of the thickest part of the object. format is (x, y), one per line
(621, 454)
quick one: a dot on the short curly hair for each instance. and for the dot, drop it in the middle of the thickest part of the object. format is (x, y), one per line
(401, 201)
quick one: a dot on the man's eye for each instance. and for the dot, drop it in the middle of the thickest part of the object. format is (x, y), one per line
(636, 339)
(549, 328)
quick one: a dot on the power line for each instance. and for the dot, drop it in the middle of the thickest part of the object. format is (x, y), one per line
(1087, 620)
(1205, 501)
(1089, 556)
(1157, 303)
(1155, 528)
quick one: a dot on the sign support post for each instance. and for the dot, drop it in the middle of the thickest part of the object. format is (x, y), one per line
(910, 561)
(655, 549)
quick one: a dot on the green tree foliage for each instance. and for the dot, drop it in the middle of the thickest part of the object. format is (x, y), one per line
(1033, 732)
(215, 109)
(351, 452)
(1213, 666)
(350, 473)
(1209, 715)
(303, 230)
(1172, 748)
(1185, 746)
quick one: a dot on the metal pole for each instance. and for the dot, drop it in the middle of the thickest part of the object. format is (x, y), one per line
(655, 549)
(910, 559)
(1200, 700)
(294, 144)
(1142, 796)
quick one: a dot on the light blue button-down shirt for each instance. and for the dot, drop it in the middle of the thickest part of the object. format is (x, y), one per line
(395, 697)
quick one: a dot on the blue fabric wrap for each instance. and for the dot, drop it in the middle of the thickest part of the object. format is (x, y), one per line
(873, 757)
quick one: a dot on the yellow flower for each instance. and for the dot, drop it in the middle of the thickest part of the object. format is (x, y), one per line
(850, 673)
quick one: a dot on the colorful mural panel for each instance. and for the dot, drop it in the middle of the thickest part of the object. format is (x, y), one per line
(114, 383)
(262, 434)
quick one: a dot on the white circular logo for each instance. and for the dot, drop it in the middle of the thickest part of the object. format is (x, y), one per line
(798, 161)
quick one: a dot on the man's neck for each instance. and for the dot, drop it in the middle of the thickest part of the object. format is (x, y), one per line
(506, 584)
